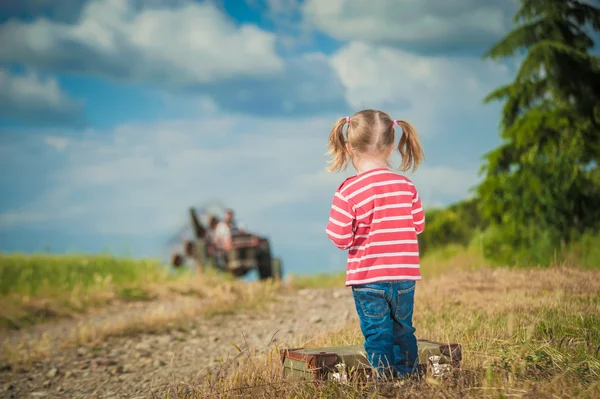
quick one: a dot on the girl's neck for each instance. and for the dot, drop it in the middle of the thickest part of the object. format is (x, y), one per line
(364, 165)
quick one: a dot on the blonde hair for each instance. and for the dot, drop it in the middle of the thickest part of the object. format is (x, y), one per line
(372, 132)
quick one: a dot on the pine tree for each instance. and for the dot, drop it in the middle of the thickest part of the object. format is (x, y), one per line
(542, 185)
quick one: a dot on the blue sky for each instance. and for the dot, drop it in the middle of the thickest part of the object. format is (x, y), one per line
(117, 115)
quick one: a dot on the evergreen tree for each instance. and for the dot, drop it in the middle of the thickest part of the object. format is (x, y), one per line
(542, 185)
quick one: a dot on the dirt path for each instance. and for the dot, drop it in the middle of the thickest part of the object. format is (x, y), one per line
(136, 366)
(56, 331)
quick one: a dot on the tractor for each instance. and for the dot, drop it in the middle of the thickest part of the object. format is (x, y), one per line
(250, 252)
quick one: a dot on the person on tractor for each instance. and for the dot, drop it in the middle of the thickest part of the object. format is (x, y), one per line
(229, 220)
(225, 228)
(223, 237)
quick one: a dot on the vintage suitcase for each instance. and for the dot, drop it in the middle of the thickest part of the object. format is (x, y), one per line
(339, 363)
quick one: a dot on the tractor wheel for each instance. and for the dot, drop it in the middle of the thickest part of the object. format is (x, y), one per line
(277, 269)
(177, 260)
(265, 267)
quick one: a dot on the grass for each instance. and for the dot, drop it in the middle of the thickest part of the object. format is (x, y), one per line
(524, 332)
(37, 288)
(219, 298)
(37, 274)
(226, 298)
(334, 280)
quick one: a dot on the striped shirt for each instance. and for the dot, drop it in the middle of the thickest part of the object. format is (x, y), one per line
(376, 215)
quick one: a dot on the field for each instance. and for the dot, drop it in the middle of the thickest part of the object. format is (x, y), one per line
(38, 288)
(527, 332)
(35, 288)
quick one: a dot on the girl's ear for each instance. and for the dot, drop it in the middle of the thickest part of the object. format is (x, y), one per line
(391, 150)
(349, 148)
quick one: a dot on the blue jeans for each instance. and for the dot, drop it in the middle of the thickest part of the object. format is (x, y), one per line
(385, 311)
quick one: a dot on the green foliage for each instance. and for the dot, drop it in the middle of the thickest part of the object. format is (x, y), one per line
(497, 247)
(585, 252)
(30, 274)
(456, 224)
(542, 185)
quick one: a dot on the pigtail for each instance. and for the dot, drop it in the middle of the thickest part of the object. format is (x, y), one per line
(409, 147)
(337, 147)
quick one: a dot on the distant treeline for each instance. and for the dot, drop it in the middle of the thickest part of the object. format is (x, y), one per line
(456, 224)
(462, 225)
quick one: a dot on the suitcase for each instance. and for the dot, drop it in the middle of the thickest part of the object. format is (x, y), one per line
(340, 363)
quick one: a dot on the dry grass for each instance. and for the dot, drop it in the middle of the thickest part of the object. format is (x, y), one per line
(22, 354)
(525, 333)
(225, 298)
(219, 297)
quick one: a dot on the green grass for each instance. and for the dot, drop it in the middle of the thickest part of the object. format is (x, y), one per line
(36, 274)
(332, 280)
(35, 288)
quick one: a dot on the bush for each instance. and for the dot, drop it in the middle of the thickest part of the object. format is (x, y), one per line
(456, 224)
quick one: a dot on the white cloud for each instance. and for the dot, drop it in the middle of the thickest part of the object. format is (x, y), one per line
(285, 17)
(190, 43)
(58, 143)
(30, 97)
(448, 183)
(64, 10)
(422, 26)
(309, 86)
(141, 179)
(283, 7)
(433, 92)
(182, 48)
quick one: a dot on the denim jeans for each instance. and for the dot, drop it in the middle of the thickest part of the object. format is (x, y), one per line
(385, 311)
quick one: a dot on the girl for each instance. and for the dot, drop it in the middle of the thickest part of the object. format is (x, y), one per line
(376, 215)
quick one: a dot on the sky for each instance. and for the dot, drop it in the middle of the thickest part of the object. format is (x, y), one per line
(116, 116)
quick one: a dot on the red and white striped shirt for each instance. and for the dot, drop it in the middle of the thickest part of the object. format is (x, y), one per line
(376, 215)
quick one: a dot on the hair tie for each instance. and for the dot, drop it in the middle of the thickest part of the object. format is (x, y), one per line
(395, 122)
(347, 119)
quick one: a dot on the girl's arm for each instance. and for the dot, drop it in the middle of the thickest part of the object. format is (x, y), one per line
(417, 213)
(340, 228)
